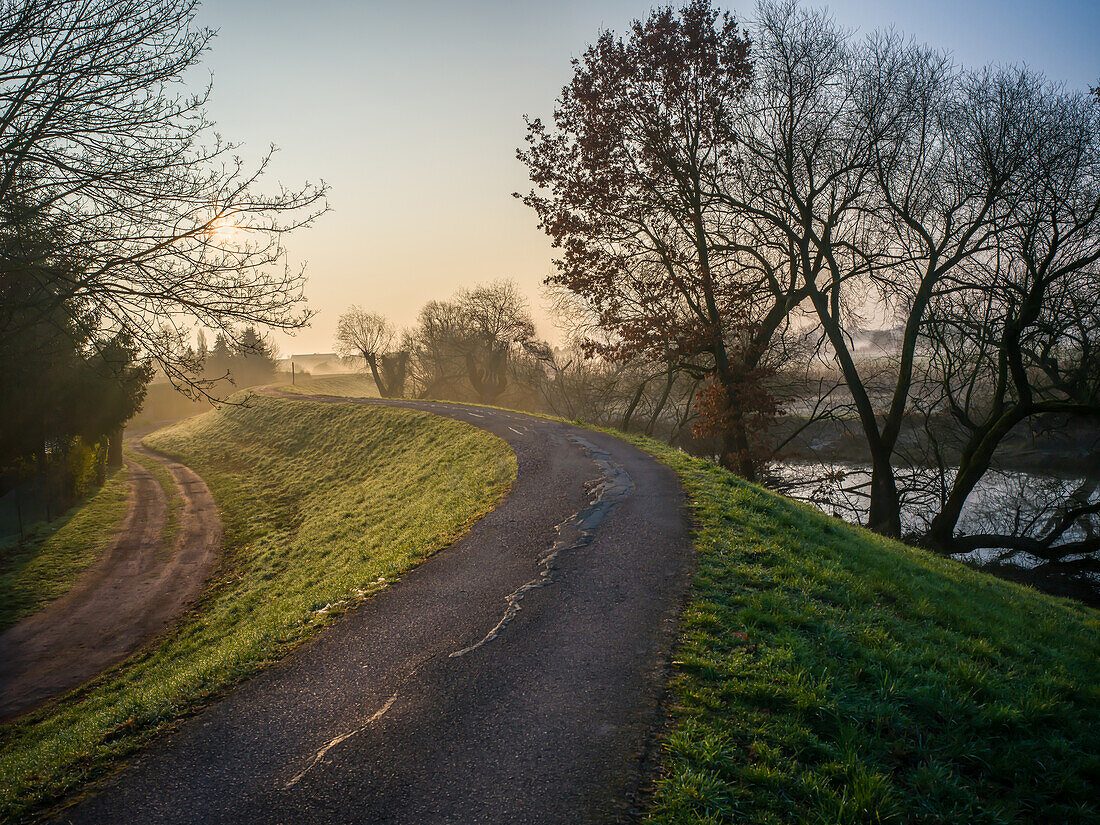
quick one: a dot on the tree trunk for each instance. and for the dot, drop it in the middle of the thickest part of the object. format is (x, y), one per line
(101, 463)
(676, 434)
(393, 372)
(736, 453)
(973, 464)
(114, 448)
(491, 381)
(884, 513)
(625, 427)
(941, 532)
(746, 467)
(379, 381)
(661, 404)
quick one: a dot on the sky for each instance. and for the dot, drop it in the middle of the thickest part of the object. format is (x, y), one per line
(412, 112)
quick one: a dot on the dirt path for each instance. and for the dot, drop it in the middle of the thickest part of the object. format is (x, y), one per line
(126, 599)
(511, 678)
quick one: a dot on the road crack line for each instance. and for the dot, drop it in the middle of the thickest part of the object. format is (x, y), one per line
(575, 533)
(332, 743)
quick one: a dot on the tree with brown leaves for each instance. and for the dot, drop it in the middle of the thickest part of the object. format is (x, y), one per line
(623, 187)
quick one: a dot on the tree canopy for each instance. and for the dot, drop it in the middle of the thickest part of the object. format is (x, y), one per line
(125, 220)
(717, 198)
(106, 150)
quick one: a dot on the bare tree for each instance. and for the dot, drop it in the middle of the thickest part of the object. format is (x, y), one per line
(576, 382)
(103, 146)
(435, 363)
(494, 324)
(369, 336)
(1018, 341)
(872, 173)
(468, 346)
(848, 183)
(960, 205)
(800, 185)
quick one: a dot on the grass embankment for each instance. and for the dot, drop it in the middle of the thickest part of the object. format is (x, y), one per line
(323, 505)
(827, 675)
(54, 554)
(350, 385)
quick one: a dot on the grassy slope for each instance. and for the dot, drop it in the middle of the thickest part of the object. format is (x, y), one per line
(322, 504)
(827, 675)
(351, 385)
(54, 555)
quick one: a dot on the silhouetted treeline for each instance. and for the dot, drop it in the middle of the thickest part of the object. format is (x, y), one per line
(239, 359)
(245, 360)
(69, 385)
(480, 346)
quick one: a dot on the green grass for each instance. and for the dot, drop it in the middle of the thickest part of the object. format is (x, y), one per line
(828, 675)
(323, 505)
(350, 385)
(824, 674)
(51, 559)
(46, 565)
(171, 492)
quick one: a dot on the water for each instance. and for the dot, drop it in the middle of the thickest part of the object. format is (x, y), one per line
(1003, 502)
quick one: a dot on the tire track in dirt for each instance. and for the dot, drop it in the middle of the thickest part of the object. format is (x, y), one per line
(127, 598)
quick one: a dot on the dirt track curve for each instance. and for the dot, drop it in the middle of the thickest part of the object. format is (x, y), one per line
(129, 596)
(512, 678)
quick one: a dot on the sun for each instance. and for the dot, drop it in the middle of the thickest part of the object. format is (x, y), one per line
(223, 230)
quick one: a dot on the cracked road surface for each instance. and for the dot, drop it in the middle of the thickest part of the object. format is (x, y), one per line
(513, 677)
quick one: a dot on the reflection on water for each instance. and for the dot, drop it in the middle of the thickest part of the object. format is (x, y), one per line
(1003, 502)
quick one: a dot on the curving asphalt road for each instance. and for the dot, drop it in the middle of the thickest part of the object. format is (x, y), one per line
(511, 678)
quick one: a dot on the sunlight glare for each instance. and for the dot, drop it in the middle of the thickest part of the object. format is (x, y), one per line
(224, 231)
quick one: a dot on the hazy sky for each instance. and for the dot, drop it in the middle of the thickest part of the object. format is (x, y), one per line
(412, 113)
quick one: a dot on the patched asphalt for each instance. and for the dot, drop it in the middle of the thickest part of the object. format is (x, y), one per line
(375, 721)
